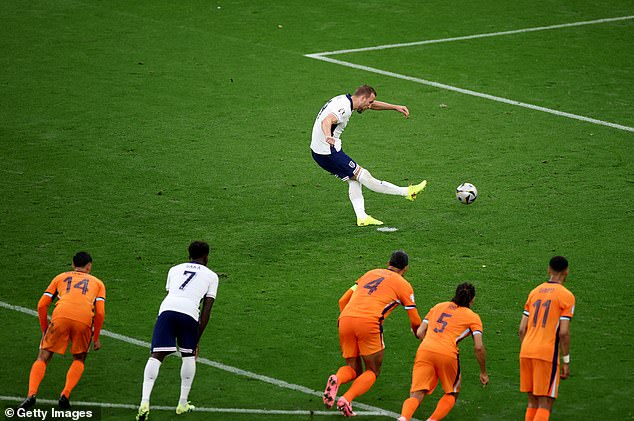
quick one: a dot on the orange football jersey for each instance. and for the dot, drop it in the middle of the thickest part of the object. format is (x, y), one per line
(377, 293)
(447, 325)
(547, 304)
(77, 293)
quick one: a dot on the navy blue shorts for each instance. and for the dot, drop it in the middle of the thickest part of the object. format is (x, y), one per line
(337, 163)
(173, 327)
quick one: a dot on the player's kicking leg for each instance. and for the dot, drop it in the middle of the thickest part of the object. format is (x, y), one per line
(410, 193)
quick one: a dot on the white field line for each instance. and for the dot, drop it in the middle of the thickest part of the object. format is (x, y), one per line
(279, 383)
(474, 93)
(323, 57)
(18, 399)
(490, 34)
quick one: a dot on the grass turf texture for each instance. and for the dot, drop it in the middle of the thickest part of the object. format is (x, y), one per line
(130, 129)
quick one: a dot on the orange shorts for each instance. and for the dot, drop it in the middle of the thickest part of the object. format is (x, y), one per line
(359, 336)
(429, 367)
(539, 377)
(61, 330)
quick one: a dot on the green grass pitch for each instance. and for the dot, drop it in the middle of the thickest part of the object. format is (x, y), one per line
(129, 129)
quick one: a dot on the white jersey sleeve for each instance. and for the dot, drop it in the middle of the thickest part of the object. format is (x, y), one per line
(187, 284)
(339, 106)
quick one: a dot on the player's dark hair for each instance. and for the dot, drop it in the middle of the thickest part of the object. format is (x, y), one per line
(464, 294)
(399, 259)
(558, 264)
(198, 249)
(365, 90)
(81, 259)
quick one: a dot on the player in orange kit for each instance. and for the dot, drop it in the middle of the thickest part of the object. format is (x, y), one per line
(363, 309)
(544, 332)
(437, 356)
(78, 317)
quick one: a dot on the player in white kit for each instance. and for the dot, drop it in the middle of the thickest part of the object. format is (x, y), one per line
(179, 323)
(327, 152)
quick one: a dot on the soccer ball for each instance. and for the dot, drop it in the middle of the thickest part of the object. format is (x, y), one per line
(466, 193)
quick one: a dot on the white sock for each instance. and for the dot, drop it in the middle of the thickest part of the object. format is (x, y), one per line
(188, 371)
(356, 197)
(379, 186)
(149, 377)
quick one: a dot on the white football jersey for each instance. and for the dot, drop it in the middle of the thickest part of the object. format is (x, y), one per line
(341, 107)
(187, 284)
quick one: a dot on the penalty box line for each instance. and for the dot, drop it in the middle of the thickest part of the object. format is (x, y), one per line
(373, 410)
(323, 56)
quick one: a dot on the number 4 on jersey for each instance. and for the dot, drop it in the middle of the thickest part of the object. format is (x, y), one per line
(373, 285)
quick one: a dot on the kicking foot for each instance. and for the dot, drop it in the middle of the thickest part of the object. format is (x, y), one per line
(345, 407)
(63, 403)
(28, 403)
(181, 409)
(332, 386)
(401, 418)
(144, 412)
(368, 221)
(412, 191)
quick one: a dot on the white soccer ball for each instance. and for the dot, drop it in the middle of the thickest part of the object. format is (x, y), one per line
(466, 193)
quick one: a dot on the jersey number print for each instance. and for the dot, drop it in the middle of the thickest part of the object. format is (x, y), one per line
(373, 285)
(83, 285)
(189, 278)
(546, 306)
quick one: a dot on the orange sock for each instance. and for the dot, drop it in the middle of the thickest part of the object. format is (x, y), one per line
(38, 369)
(346, 374)
(542, 414)
(361, 384)
(409, 407)
(444, 407)
(72, 377)
(530, 414)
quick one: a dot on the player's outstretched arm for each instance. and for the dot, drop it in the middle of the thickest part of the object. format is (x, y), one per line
(42, 311)
(564, 347)
(480, 354)
(208, 302)
(380, 106)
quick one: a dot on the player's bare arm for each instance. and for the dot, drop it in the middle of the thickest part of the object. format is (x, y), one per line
(326, 127)
(205, 314)
(422, 330)
(380, 106)
(480, 354)
(523, 327)
(564, 346)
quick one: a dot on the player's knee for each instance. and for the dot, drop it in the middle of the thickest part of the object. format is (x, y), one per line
(80, 357)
